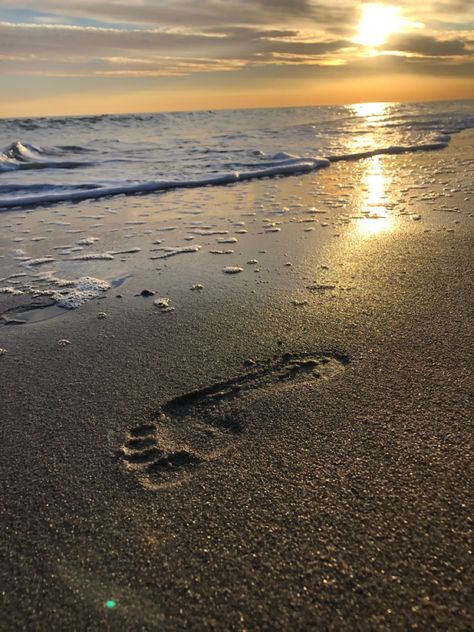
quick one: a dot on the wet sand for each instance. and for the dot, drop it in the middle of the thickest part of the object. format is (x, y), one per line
(287, 449)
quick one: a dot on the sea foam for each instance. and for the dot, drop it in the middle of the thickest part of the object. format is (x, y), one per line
(46, 165)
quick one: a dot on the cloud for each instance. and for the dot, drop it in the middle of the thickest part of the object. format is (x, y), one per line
(192, 13)
(453, 6)
(147, 38)
(60, 49)
(427, 45)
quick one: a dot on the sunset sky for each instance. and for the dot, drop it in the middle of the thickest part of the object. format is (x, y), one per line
(83, 56)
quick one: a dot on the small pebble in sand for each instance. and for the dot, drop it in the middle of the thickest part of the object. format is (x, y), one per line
(163, 304)
(288, 264)
(232, 269)
(252, 261)
(3, 352)
(197, 286)
(416, 218)
(63, 342)
(146, 293)
(249, 362)
(101, 315)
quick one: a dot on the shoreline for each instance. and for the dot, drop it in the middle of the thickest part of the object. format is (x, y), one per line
(280, 167)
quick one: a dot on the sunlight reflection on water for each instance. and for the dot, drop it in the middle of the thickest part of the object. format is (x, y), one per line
(369, 109)
(374, 199)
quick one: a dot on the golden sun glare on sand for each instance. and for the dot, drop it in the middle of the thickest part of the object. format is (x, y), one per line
(377, 23)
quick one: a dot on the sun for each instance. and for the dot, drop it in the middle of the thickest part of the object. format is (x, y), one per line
(377, 23)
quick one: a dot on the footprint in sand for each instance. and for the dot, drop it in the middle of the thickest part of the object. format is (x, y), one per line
(201, 426)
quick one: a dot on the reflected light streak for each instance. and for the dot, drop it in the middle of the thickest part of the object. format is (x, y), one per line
(376, 218)
(369, 109)
(370, 126)
(375, 181)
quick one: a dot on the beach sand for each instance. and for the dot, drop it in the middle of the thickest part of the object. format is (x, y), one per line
(289, 448)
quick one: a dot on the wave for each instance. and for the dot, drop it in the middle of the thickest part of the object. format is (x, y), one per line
(18, 156)
(21, 156)
(77, 149)
(43, 187)
(288, 167)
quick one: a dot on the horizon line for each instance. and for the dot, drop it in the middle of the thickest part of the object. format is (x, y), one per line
(280, 107)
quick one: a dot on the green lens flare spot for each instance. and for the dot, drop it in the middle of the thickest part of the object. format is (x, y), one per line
(110, 604)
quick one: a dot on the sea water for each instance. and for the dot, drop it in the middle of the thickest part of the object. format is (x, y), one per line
(56, 159)
(70, 253)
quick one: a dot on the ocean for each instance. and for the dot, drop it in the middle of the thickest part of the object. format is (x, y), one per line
(56, 159)
(70, 229)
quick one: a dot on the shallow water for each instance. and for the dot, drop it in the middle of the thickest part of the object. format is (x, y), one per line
(267, 233)
(74, 158)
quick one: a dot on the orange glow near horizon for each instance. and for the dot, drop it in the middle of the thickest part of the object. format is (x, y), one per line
(303, 93)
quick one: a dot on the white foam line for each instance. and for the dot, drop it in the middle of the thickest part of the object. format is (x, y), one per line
(288, 165)
(394, 149)
(171, 252)
(300, 166)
